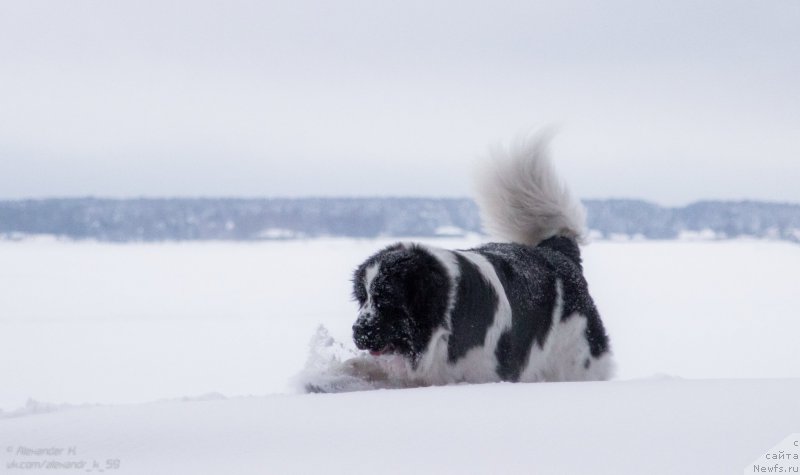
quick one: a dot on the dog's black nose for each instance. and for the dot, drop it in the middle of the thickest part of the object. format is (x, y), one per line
(360, 336)
(361, 343)
(365, 337)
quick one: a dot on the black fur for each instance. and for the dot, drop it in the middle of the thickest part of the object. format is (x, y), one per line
(576, 291)
(473, 312)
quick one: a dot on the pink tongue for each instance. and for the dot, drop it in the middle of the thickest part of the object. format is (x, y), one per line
(375, 353)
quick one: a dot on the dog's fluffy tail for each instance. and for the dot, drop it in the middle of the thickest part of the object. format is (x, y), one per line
(521, 198)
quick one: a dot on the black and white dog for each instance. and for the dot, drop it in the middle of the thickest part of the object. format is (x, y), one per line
(516, 311)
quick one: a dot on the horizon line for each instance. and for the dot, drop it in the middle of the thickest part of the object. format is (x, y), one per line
(366, 198)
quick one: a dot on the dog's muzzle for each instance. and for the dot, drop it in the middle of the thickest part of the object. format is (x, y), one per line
(364, 334)
(367, 337)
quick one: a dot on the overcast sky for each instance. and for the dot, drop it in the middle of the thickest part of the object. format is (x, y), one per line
(671, 101)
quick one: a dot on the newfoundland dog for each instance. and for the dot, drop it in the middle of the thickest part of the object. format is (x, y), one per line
(517, 310)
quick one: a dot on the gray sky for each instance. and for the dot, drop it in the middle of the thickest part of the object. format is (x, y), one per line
(670, 101)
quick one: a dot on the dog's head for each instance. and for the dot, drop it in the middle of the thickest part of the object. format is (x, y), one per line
(402, 292)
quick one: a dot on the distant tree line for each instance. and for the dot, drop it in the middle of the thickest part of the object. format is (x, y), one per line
(124, 220)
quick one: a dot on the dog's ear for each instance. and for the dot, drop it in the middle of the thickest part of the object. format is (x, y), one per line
(427, 288)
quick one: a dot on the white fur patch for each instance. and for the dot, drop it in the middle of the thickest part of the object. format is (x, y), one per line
(367, 311)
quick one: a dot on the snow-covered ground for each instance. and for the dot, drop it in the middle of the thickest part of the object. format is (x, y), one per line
(643, 427)
(696, 327)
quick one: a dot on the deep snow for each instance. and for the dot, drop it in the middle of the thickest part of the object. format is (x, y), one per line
(86, 323)
(641, 427)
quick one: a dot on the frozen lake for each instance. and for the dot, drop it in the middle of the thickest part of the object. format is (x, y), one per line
(85, 322)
